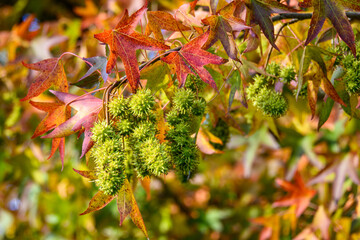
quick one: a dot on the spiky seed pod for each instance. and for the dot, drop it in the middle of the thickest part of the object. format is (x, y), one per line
(199, 106)
(155, 156)
(119, 107)
(174, 117)
(183, 100)
(273, 69)
(348, 61)
(253, 89)
(287, 74)
(124, 127)
(142, 103)
(143, 131)
(102, 131)
(271, 103)
(181, 130)
(109, 159)
(186, 158)
(194, 83)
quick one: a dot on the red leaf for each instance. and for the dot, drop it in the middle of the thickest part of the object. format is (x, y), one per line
(124, 41)
(191, 59)
(51, 74)
(99, 201)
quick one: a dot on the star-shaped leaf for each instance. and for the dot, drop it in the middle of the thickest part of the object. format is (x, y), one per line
(191, 60)
(261, 11)
(87, 108)
(342, 168)
(51, 74)
(299, 195)
(57, 114)
(222, 27)
(335, 11)
(124, 41)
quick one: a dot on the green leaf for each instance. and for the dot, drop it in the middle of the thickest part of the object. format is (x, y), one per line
(157, 76)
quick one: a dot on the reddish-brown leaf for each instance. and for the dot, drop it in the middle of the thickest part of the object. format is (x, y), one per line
(51, 74)
(124, 41)
(335, 11)
(299, 195)
(99, 201)
(191, 60)
(222, 27)
(261, 11)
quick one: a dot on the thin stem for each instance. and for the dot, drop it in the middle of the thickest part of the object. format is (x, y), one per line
(304, 16)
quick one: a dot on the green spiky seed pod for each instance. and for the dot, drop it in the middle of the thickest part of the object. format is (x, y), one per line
(185, 157)
(142, 103)
(143, 131)
(199, 106)
(174, 117)
(119, 107)
(155, 156)
(183, 100)
(352, 78)
(178, 132)
(109, 159)
(287, 74)
(124, 127)
(271, 103)
(253, 89)
(102, 131)
(273, 69)
(348, 61)
(194, 83)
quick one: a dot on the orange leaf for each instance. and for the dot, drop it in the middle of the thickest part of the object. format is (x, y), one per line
(162, 20)
(56, 115)
(124, 41)
(299, 195)
(51, 74)
(99, 201)
(145, 183)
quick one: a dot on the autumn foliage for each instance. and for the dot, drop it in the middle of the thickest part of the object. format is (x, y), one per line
(244, 111)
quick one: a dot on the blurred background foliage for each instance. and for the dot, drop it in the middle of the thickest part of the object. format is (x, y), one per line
(231, 197)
